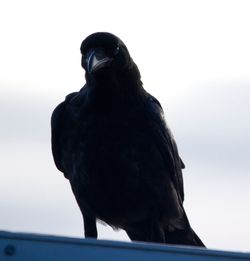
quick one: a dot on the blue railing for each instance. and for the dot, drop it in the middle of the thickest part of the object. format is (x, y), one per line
(28, 247)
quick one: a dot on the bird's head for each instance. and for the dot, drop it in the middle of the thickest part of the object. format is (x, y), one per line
(104, 55)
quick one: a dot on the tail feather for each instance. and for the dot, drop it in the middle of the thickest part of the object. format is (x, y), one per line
(183, 237)
(198, 240)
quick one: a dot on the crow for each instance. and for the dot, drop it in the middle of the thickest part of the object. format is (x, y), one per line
(112, 143)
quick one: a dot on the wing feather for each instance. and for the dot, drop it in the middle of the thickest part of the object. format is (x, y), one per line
(166, 144)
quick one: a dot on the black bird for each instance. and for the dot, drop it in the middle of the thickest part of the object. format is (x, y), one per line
(112, 143)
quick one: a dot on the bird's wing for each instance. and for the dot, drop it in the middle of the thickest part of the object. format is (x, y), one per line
(166, 143)
(56, 133)
(59, 125)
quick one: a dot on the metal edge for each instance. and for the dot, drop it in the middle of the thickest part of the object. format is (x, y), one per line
(185, 250)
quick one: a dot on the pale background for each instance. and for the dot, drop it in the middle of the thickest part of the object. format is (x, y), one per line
(194, 56)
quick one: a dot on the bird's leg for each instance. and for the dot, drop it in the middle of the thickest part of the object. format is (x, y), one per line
(89, 221)
(136, 235)
(147, 232)
(157, 234)
(90, 229)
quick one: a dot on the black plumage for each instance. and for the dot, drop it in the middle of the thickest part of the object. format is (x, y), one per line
(111, 142)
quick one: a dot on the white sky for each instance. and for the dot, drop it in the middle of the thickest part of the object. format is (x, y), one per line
(194, 56)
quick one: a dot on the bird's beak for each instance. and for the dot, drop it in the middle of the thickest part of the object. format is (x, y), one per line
(97, 59)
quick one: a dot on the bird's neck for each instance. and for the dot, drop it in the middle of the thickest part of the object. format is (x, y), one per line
(121, 85)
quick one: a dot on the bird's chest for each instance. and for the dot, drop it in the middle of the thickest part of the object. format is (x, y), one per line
(107, 138)
(111, 160)
(107, 147)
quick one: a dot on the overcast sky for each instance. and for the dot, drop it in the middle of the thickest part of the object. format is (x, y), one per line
(194, 56)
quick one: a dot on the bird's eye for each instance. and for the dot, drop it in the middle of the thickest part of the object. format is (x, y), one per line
(116, 50)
